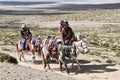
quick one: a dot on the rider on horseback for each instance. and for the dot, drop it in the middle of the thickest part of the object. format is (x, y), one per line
(67, 34)
(25, 34)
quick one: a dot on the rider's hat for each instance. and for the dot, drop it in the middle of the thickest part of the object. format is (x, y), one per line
(64, 23)
(23, 26)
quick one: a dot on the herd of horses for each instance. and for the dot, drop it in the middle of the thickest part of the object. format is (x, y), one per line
(52, 47)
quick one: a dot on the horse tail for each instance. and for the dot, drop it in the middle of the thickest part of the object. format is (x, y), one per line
(17, 49)
(39, 52)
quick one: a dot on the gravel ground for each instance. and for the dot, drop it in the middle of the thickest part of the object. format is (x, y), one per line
(16, 72)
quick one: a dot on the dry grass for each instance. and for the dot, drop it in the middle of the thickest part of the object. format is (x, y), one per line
(7, 58)
(105, 37)
(103, 15)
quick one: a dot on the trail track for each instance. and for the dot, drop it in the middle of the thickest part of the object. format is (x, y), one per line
(91, 70)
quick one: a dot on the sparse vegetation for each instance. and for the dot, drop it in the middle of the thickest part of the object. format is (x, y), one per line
(95, 53)
(5, 49)
(95, 39)
(6, 57)
(99, 36)
(102, 15)
(109, 61)
(96, 60)
(104, 57)
(118, 54)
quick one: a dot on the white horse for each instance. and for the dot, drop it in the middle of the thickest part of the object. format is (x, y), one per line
(32, 46)
(71, 51)
(80, 44)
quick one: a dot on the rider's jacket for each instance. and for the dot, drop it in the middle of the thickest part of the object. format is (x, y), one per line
(25, 33)
(67, 34)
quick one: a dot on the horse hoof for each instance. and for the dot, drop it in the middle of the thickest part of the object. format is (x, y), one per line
(33, 61)
(20, 60)
(25, 61)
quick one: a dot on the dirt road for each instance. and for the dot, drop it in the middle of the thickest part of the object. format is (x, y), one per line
(91, 70)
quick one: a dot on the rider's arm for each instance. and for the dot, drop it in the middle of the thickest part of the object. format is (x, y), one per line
(62, 36)
(22, 34)
(71, 32)
(29, 33)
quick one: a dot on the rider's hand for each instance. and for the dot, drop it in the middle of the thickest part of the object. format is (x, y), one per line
(27, 37)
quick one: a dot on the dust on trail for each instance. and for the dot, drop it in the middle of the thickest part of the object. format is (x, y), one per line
(16, 72)
(90, 70)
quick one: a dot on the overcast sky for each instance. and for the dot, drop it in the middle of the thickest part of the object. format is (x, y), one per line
(75, 1)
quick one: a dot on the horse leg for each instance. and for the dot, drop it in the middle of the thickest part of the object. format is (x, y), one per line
(62, 59)
(66, 68)
(48, 61)
(33, 57)
(73, 61)
(20, 57)
(61, 66)
(79, 68)
(57, 60)
(44, 61)
(22, 54)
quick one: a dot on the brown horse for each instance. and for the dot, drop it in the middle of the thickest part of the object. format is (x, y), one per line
(31, 46)
(49, 50)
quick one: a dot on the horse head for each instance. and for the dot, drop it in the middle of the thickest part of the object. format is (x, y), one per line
(51, 41)
(78, 36)
(81, 46)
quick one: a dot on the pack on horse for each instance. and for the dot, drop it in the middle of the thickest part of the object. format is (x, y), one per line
(49, 50)
(36, 46)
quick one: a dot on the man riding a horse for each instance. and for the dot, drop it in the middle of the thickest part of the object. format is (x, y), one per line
(66, 33)
(27, 44)
(25, 35)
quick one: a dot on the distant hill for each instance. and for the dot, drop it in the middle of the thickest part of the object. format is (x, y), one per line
(64, 4)
(88, 6)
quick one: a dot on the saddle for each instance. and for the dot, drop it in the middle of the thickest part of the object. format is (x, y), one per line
(18, 46)
(66, 49)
